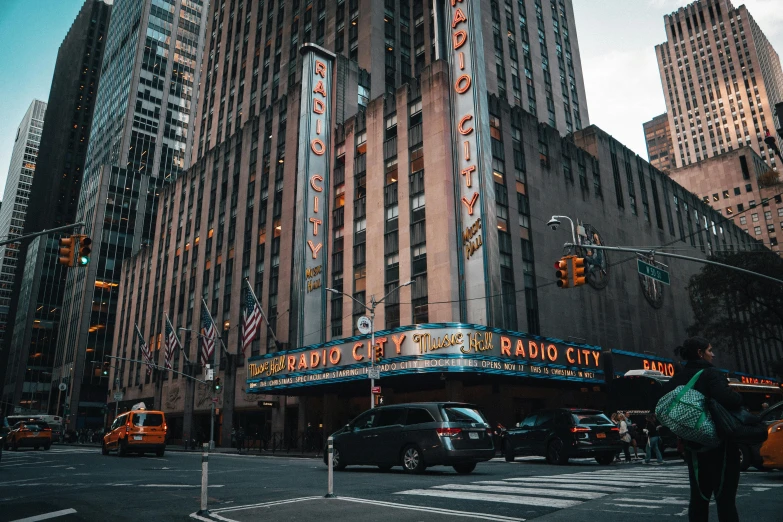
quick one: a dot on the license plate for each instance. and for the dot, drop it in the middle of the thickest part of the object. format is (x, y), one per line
(473, 435)
(600, 435)
(137, 437)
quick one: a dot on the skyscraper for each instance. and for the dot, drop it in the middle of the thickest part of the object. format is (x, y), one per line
(39, 286)
(15, 198)
(721, 80)
(139, 141)
(658, 139)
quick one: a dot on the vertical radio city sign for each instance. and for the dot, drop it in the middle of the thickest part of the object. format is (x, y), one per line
(474, 189)
(312, 195)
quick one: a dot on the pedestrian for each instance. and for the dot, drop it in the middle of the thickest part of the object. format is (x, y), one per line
(240, 439)
(714, 471)
(634, 433)
(625, 436)
(651, 428)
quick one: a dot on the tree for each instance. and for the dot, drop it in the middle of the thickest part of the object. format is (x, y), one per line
(729, 305)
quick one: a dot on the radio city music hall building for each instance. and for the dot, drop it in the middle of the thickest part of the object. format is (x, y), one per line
(446, 180)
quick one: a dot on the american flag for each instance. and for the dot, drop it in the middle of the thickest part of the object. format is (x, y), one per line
(251, 319)
(207, 337)
(172, 342)
(145, 351)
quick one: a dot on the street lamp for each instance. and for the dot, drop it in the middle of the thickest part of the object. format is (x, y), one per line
(212, 407)
(371, 309)
(555, 222)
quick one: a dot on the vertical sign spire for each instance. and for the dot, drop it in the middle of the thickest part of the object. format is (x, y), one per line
(308, 299)
(475, 196)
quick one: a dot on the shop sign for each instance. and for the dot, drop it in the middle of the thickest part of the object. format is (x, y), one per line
(749, 379)
(623, 361)
(447, 347)
(474, 194)
(308, 296)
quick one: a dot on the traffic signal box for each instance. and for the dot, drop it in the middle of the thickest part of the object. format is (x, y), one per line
(75, 250)
(378, 399)
(570, 271)
(67, 251)
(378, 353)
(217, 384)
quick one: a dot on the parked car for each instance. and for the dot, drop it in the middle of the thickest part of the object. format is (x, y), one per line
(751, 455)
(772, 450)
(561, 434)
(415, 436)
(31, 433)
(137, 431)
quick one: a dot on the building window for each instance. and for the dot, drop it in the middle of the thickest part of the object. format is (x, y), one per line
(754, 217)
(757, 230)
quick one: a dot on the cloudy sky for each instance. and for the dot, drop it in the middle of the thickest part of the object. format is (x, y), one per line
(616, 39)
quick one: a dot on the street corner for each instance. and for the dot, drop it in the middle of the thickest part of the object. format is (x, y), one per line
(342, 508)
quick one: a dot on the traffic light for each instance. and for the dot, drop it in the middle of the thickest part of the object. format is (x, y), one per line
(105, 369)
(217, 384)
(578, 271)
(85, 247)
(562, 272)
(378, 400)
(378, 353)
(67, 247)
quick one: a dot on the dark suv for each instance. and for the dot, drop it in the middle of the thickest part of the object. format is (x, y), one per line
(415, 436)
(564, 433)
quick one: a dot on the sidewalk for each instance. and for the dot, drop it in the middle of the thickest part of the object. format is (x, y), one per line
(230, 451)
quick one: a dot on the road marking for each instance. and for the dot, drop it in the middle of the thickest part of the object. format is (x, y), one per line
(263, 504)
(569, 484)
(507, 499)
(589, 495)
(16, 481)
(177, 485)
(635, 505)
(440, 511)
(47, 516)
(761, 489)
(665, 500)
(194, 515)
(618, 483)
(215, 515)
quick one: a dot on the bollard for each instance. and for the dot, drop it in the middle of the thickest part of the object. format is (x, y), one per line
(330, 461)
(204, 480)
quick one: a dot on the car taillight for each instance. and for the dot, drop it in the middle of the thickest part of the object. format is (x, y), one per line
(165, 427)
(127, 429)
(448, 432)
(47, 429)
(579, 429)
(614, 429)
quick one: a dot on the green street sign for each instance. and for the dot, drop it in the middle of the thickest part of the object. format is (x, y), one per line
(652, 272)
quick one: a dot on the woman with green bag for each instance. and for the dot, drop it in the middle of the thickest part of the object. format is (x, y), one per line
(716, 470)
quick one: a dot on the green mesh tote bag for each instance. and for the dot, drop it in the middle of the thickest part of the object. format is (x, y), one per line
(684, 411)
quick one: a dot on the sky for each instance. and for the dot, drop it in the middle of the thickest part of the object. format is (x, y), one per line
(617, 41)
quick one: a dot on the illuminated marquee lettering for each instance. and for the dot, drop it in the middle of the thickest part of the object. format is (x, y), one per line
(466, 348)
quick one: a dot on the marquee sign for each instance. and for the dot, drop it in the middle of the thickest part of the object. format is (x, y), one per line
(623, 361)
(452, 347)
(474, 186)
(309, 296)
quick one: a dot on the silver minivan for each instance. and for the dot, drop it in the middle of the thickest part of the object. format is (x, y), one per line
(415, 436)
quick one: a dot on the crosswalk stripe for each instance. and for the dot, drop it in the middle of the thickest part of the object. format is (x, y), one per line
(631, 480)
(564, 488)
(666, 500)
(588, 495)
(489, 497)
(570, 483)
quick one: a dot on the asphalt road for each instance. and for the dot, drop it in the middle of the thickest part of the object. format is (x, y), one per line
(76, 483)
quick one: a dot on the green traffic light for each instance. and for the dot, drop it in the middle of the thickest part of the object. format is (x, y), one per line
(83, 260)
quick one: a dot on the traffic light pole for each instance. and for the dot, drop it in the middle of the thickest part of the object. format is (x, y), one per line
(17, 239)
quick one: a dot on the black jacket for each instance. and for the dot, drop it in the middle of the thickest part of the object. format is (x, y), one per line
(712, 383)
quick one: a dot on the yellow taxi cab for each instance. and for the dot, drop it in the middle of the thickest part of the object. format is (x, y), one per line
(772, 450)
(137, 431)
(31, 433)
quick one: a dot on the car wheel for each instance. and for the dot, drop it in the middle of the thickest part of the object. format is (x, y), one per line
(605, 460)
(122, 451)
(464, 468)
(508, 453)
(47, 446)
(15, 447)
(160, 452)
(337, 463)
(385, 467)
(104, 449)
(36, 448)
(746, 456)
(554, 452)
(412, 460)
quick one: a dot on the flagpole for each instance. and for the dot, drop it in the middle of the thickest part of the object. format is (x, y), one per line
(148, 360)
(263, 315)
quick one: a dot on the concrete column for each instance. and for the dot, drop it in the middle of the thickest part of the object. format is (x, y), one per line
(229, 385)
(190, 392)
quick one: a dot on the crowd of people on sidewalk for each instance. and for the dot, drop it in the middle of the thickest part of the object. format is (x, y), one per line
(648, 437)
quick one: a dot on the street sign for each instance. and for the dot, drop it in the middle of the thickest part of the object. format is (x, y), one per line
(652, 271)
(364, 325)
(62, 386)
(374, 373)
(118, 396)
(376, 390)
(215, 400)
(210, 375)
